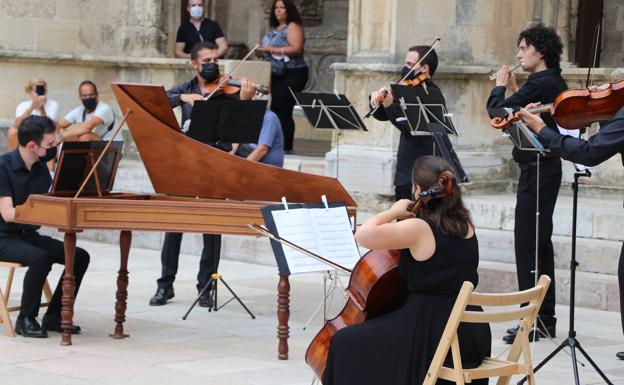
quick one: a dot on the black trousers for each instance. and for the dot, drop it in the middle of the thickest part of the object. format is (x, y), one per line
(524, 229)
(403, 191)
(170, 256)
(282, 101)
(39, 252)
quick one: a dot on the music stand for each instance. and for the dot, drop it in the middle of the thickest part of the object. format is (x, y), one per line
(425, 116)
(572, 342)
(518, 132)
(327, 111)
(227, 120)
(75, 162)
(420, 108)
(444, 149)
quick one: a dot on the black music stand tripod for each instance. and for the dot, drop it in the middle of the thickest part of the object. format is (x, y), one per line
(212, 286)
(329, 111)
(571, 341)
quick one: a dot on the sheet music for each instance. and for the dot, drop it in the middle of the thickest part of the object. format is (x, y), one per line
(326, 232)
(574, 134)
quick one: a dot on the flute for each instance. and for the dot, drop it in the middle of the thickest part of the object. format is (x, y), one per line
(511, 69)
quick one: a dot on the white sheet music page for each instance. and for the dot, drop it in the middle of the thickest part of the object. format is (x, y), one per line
(325, 232)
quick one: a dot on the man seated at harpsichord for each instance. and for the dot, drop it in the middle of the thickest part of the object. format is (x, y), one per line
(23, 171)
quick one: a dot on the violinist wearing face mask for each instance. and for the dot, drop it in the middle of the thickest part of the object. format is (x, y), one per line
(23, 172)
(410, 147)
(93, 120)
(198, 29)
(205, 63)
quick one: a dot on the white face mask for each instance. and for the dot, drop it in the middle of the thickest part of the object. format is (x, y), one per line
(197, 11)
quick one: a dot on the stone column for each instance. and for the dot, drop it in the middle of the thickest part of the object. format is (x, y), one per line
(372, 34)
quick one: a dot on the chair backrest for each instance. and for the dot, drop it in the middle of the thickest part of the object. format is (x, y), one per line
(526, 316)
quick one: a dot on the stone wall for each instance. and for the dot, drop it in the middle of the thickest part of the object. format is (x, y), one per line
(135, 28)
(472, 32)
(613, 36)
(477, 36)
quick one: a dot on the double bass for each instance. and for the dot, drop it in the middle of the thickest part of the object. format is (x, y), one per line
(375, 287)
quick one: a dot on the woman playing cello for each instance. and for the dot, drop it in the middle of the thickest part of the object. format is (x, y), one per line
(439, 251)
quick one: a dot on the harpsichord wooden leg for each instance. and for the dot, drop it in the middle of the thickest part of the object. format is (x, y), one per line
(283, 314)
(125, 239)
(69, 289)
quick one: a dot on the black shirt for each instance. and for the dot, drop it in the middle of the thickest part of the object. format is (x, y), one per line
(542, 86)
(189, 35)
(17, 182)
(608, 141)
(174, 93)
(411, 147)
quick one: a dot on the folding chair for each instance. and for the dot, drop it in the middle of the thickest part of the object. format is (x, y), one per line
(4, 298)
(490, 367)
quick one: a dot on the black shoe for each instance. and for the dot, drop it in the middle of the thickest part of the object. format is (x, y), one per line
(546, 331)
(206, 299)
(162, 296)
(512, 330)
(29, 327)
(511, 337)
(550, 331)
(620, 355)
(53, 323)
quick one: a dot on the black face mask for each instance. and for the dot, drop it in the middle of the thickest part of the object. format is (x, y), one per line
(404, 72)
(89, 103)
(49, 155)
(210, 72)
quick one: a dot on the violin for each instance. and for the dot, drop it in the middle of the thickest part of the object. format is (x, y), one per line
(231, 87)
(375, 287)
(415, 82)
(418, 80)
(577, 108)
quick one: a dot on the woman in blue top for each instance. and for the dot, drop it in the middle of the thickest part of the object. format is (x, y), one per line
(284, 46)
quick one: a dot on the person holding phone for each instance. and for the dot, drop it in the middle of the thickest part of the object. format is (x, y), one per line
(38, 105)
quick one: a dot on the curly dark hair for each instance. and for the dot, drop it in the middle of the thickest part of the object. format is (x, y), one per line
(546, 41)
(292, 14)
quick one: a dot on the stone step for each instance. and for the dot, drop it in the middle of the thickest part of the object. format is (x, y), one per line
(597, 217)
(594, 291)
(593, 255)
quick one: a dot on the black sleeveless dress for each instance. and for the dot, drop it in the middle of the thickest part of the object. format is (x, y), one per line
(397, 348)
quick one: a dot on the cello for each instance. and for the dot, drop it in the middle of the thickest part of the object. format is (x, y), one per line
(375, 287)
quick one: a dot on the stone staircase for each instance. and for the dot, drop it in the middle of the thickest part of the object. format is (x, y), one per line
(598, 244)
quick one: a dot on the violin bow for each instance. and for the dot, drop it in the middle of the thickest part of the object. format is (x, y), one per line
(595, 59)
(227, 75)
(435, 42)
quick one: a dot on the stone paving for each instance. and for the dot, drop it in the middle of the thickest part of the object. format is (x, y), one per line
(225, 347)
